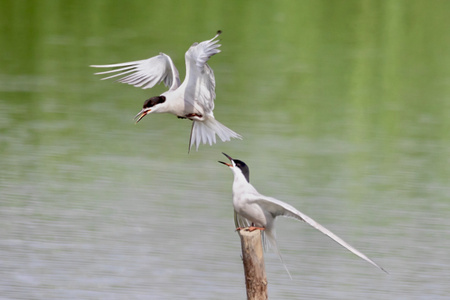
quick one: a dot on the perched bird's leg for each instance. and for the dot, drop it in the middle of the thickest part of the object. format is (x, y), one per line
(181, 117)
(250, 204)
(253, 228)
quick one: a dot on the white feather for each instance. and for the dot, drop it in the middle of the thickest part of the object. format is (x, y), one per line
(145, 73)
(206, 130)
(192, 99)
(251, 207)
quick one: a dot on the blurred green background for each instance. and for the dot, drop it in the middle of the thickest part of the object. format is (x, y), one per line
(344, 109)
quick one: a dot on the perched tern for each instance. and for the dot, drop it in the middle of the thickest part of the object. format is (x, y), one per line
(259, 211)
(193, 99)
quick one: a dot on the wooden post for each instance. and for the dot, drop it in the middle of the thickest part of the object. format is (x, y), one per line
(253, 259)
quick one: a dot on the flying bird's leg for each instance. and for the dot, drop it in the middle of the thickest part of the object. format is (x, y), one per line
(193, 99)
(190, 116)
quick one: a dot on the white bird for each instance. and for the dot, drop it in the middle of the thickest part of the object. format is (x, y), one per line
(259, 211)
(193, 99)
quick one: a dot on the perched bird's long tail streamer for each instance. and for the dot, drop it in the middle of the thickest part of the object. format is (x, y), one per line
(270, 237)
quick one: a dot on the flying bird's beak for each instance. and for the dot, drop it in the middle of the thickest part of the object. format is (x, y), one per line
(142, 114)
(227, 164)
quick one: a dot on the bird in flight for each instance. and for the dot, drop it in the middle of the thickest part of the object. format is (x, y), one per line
(256, 211)
(193, 99)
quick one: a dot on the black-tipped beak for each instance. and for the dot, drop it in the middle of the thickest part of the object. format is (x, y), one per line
(227, 164)
(142, 114)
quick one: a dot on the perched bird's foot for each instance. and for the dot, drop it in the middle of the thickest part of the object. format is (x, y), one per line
(250, 228)
(253, 228)
(181, 117)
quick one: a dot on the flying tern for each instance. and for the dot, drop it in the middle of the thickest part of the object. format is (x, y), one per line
(193, 99)
(259, 211)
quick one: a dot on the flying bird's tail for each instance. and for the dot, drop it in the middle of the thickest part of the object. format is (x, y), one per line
(205, 132)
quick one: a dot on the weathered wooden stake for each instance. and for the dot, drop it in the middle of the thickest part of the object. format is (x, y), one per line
(253, 259)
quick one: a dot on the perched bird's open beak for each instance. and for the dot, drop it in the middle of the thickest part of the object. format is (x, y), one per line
(227, 164)
(142, 114)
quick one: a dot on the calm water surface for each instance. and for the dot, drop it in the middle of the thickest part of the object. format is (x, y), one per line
(344, 109)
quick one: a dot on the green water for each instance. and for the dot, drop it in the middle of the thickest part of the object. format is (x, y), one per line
(344, 109)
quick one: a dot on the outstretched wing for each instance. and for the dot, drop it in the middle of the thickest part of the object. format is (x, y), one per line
(145, 73)
(280, 208)
(199, 76)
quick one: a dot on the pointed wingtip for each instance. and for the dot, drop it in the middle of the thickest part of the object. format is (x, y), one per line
(379, 267)
(374, 263)
(219, 32)
(382, 269)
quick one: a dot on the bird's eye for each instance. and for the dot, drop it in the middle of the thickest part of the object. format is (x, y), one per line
(153, 101)
(147, 103)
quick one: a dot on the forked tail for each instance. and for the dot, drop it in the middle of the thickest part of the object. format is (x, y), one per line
(269, 239)
(205, 132)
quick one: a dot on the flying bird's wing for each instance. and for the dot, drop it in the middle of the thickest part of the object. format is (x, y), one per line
(200, 79)
(280, 208)
(145, 73)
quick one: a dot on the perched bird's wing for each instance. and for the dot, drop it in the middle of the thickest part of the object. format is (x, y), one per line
(145, 73)
(280, 208)
(240, 221)
(200, 82)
